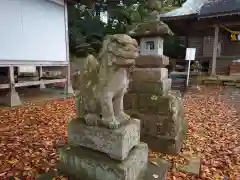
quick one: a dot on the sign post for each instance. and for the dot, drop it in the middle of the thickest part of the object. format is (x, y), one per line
(190, 56)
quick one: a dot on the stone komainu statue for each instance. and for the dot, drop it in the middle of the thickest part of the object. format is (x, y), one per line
(104, 82)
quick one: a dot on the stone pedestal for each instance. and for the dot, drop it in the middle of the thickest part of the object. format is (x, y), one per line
(115, 143)
(98, 153)
(87, 164)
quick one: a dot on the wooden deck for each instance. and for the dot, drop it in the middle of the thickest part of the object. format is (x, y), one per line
(217, 80)
(222, 80)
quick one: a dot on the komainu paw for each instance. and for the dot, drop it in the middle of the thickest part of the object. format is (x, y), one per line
(123, 117)
(111, 122)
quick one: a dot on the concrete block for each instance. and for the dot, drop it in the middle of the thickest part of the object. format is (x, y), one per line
(42, 86)
(193, 167)
(84, 163)
(12, 99)
(115, 143)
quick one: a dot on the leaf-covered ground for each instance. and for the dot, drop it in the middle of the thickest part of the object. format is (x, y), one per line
(30, 136)
(214, 135)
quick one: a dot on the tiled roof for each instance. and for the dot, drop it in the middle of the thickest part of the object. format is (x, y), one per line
(190, 7)
(220, 8)
(204, 8)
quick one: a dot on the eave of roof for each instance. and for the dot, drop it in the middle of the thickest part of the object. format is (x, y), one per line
(169, 18)
(219, 8)
(72, 1)
(189, 9)
(205, 9)
(213, 15)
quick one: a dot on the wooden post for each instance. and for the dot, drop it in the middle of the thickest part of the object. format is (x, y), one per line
(11, 79)
(13, 97)
(42, 85)
(215, 49)
(68, 84)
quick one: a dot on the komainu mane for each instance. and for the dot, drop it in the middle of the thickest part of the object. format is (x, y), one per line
(105, 81)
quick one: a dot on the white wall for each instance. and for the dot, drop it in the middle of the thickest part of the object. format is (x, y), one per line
(158, 46)
(32, 30)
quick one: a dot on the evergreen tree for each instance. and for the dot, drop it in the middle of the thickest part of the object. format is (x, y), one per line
(86, 30)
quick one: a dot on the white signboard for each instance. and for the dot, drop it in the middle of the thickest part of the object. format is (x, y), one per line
(27, 69)
(190, 54)
(32, 30)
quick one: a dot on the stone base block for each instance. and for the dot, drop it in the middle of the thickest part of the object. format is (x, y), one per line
(159, 169)
(11, 99)
(115, 143)
(150, 61)
(149, 74)
(158, 88)
(165, 144)
(42, 86)
(69, 89)
(84, 163)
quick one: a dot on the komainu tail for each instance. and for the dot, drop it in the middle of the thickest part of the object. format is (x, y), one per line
(89, 80)
(91, 64)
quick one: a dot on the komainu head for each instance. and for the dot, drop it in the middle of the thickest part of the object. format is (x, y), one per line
(119, 50)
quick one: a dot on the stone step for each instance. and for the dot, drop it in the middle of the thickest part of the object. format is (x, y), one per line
(115, 143)
(154, 171)
(83, 162)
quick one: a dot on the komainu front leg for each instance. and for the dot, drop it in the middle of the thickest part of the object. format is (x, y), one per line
(89, 109)
(118, 108)
(108, 118)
